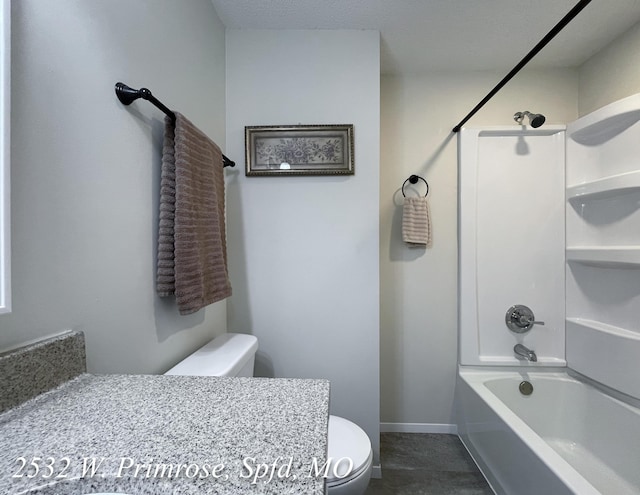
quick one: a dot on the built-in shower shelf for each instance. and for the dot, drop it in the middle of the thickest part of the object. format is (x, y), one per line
(606, 123)
(605, 353)
(606, 187)
(606, 328)
(606, 257)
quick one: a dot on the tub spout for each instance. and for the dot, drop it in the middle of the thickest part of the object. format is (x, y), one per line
(528, 354)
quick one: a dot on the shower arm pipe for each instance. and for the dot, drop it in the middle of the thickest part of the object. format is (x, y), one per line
(128, 95)
(534, 51)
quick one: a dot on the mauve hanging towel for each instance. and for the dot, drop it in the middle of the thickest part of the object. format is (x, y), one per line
(192, 247)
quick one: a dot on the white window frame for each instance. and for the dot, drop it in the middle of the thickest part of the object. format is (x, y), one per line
(5, 153)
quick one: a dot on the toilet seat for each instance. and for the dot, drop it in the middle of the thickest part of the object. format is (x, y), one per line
(347, 440)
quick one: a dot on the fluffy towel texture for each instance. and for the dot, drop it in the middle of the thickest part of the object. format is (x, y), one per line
(416, 222)
(192, 247)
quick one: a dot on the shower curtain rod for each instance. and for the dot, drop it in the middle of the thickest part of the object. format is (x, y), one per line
(128, 95)
(534, 51)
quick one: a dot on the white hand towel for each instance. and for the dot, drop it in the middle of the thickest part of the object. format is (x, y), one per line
(416, 222)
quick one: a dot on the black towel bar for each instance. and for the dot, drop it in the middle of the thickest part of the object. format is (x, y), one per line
(128, 95)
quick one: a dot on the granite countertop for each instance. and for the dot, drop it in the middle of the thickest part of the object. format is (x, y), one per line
(230, 436)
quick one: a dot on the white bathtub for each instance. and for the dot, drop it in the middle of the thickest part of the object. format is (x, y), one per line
(567, 437)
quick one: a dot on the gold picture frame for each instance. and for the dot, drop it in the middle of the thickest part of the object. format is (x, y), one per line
(299, 150)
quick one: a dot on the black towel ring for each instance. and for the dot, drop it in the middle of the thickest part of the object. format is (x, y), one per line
(414, 180)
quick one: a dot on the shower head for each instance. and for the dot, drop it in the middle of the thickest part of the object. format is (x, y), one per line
(535, 119)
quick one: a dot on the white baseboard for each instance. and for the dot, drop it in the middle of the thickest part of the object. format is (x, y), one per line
(418, 428)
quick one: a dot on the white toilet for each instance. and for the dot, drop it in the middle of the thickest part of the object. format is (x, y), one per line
(233, 354)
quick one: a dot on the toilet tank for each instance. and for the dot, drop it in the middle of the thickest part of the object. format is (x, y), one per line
(230, 354)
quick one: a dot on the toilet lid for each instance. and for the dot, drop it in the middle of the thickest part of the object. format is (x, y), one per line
(347, 440)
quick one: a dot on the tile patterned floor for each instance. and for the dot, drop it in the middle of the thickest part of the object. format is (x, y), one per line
(426, 464)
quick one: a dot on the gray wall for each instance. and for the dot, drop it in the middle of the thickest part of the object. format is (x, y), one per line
(85, 171)
(85, 174)
(418, 331)
(419, 301)
(303, 251)
(611, 74)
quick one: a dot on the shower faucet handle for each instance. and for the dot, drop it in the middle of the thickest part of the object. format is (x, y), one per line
(520, 319)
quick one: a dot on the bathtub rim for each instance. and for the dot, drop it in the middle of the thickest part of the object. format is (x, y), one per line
(627, 399)
(565, 372)
(475, 378)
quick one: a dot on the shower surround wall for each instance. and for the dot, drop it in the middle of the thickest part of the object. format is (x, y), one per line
(603, 245)
(602, 208)
(511, 242)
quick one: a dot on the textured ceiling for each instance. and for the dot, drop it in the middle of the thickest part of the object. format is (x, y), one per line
(426, 35)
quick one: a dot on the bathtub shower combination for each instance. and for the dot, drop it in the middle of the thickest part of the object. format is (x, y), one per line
(548, 393)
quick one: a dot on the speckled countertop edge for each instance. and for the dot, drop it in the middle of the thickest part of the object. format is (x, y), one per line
(240, 424)
(35, 368)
